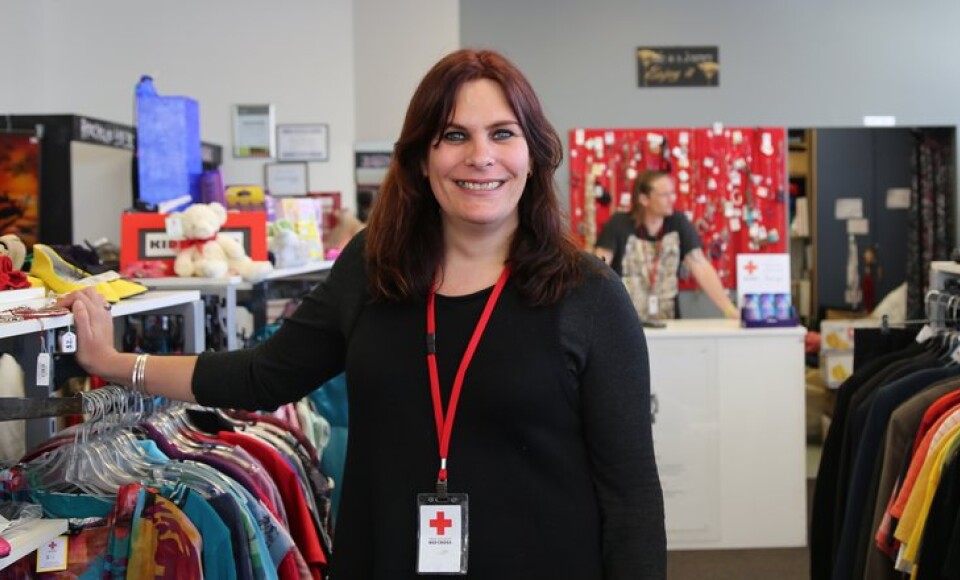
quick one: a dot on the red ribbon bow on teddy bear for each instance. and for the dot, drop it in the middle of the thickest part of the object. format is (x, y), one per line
(184, 244)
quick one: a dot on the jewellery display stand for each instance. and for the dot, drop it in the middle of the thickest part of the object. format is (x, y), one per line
(227, 289)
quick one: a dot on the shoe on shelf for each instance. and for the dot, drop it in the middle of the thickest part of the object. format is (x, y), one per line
(63, 277)
(123, 287)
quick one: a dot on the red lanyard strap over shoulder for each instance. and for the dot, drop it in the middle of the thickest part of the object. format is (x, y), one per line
(444, 422)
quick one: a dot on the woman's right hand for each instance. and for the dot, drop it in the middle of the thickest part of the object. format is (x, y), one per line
(94, 322)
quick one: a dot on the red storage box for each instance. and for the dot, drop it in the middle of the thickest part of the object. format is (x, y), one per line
(144, 236)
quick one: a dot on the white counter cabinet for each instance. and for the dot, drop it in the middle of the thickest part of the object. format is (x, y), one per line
(728, 425)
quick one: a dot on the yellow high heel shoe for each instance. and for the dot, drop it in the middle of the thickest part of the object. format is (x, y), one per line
(126, 288)
(63, 277)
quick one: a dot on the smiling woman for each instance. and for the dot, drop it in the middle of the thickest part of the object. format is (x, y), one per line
(489, 363)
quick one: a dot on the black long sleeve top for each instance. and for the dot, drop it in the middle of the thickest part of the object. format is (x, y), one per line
(552, 439)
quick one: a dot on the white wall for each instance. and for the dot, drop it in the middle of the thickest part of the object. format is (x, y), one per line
(395, 43)
(21, 26)
(295, 54)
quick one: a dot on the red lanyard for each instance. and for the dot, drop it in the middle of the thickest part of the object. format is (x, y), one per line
(654, 264)
(445, 424)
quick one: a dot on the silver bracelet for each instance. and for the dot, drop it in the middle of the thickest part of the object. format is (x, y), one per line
(138, 379)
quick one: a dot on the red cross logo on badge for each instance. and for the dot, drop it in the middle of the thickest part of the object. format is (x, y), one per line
(750, 267)
(440, 523)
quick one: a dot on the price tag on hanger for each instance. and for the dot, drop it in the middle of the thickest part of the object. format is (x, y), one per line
(43, 369)
(44, 362)
(925, 334)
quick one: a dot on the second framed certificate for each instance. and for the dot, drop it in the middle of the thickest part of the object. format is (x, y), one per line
(286, 178)
(303, 142)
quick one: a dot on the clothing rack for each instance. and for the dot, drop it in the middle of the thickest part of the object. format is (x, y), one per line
(12, 408)
(98, 403)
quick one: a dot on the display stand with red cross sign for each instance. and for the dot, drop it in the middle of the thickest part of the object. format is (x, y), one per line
(763, 290)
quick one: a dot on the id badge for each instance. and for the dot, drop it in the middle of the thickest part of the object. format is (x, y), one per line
(653, 305)
(442, 534)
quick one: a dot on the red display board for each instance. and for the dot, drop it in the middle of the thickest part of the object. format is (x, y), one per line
(144, 236)
(730, 181)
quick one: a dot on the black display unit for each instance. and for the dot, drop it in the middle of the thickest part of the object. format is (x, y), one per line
(56, 133)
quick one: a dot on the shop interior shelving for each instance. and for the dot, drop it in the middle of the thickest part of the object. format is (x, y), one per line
(22, 340)
(226, 290)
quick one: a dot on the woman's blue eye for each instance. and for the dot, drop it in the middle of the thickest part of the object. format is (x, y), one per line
(454, 136)
(501, 134)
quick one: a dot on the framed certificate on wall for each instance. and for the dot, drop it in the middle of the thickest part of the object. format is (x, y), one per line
(286, 178)
(303, 142)
(253, 131)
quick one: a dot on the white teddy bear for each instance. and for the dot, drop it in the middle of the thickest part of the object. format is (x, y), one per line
(204, 252)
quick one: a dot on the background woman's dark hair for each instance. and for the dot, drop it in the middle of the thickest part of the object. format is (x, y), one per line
(404, 248)
(643, 185)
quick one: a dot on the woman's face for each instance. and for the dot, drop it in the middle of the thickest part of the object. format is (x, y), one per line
(480, 163)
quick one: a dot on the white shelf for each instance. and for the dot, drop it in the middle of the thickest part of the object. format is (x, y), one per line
(281, 273)
(201, 284)
(26, 538)
(305, 269)
(716, 327)
(154, 300)
(226, 289)
(215, 284)
(142, 303)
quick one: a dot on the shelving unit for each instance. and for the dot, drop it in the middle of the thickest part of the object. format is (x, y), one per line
(22, 341)
(802, 171)
(147, 302)
(30, 536)
(226, 290)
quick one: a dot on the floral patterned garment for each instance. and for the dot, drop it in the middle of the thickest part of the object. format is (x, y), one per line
(164, 543)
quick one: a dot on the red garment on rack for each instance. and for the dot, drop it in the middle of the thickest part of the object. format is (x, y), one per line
(301, 522)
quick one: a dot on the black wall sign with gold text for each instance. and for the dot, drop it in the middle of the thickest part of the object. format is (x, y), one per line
(678, 66)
